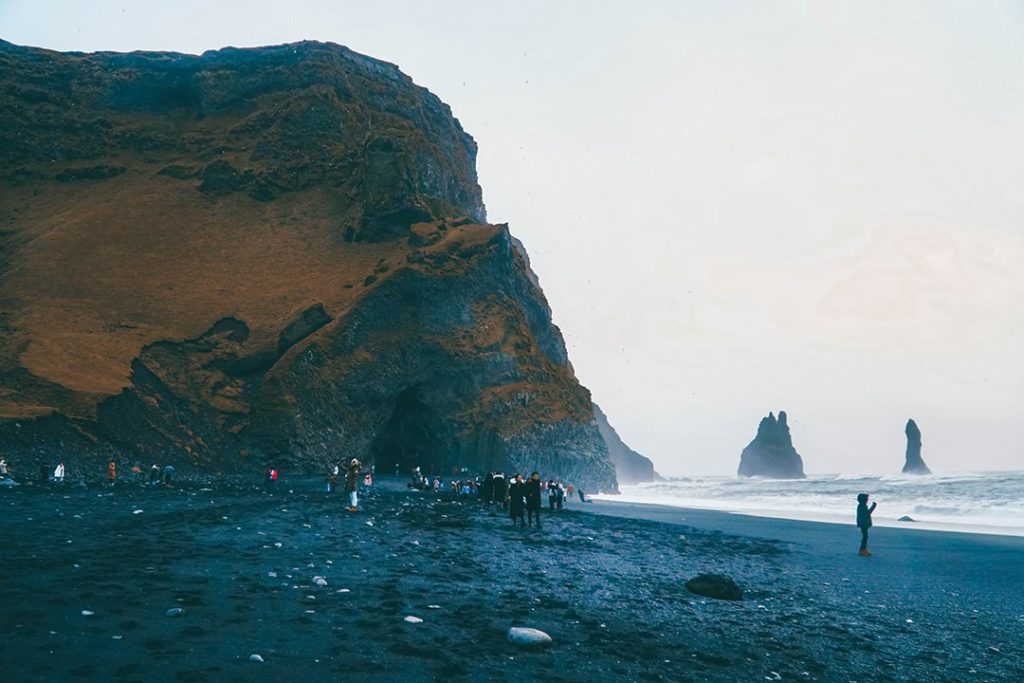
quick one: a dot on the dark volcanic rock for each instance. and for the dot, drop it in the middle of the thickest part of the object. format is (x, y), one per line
(265, 255)
(715, 586)
(914, 463)
(630, 466)
(771, 453)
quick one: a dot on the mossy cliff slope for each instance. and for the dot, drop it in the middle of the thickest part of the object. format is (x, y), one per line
(264, 255)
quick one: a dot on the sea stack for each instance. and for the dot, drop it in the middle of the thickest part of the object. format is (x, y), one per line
(914, 464)
(771, 453)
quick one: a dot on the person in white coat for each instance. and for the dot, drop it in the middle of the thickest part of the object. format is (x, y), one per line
(58, 472)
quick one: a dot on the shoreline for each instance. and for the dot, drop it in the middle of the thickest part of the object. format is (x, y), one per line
(824, 518)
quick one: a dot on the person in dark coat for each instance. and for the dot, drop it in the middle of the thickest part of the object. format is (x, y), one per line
(487, 490)
(517, 501)
(533, 499)
(352, 484)
(864, 521)
(500, 490)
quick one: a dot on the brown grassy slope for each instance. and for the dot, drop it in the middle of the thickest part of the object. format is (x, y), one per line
(101, 272)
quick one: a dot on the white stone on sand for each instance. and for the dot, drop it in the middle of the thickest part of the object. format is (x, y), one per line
(413, 620)
(521, 635)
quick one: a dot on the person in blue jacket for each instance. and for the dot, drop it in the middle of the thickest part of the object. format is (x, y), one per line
(864, 521)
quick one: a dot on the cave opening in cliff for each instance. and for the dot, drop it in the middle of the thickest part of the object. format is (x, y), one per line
(413, 436)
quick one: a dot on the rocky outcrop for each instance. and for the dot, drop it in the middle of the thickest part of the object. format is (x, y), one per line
(771, 453)
(630, 466)
(265, 255)
(914, 463)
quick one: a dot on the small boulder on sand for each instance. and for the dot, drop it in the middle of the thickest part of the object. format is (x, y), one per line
(528, 637)
(715, 586)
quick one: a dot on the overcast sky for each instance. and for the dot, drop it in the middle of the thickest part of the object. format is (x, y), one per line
(733, 207)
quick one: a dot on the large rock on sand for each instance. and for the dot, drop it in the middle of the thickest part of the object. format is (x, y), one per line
(771, 454)
(715, 586)
(528, 637)
(265, 256)
(914, 463)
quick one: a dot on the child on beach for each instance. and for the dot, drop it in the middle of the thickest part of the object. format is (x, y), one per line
(864, 521)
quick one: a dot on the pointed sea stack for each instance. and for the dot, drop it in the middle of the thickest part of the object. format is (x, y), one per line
(771, 453)
(914, 464)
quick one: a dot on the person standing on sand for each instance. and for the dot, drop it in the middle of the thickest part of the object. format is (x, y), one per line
(864, 522)
(352, 485)
(58, 472)
(332, 478)
(112, 472)
(552, 494)
(4, 470)
(154, 475)
(500, 493)
(533, 499)
(517, 501)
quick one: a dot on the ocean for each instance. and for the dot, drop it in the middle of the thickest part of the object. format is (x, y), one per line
(976, 502)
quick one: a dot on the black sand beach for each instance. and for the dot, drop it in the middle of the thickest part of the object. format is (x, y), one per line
(606, 580)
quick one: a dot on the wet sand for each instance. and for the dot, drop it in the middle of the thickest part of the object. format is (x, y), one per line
(604, 579)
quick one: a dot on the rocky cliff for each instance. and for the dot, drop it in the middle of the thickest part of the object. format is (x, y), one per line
(265, 255)
(914, 463)
(771, 454)
(630, 466)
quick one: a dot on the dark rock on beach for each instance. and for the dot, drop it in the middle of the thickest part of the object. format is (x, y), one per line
(265, 256)
(715, 586)
(914, 464)
(771, 454)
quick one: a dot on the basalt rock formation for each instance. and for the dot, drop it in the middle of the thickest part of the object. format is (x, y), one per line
(771, 453)
(914, 463)
(630, 466)
(274, 255)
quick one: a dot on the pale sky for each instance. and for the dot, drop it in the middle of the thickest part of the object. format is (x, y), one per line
(733, 207)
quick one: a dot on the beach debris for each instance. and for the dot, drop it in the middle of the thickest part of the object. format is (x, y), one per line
(715, 586)
(906, 518)
(174, 612)
(319, 581)
(87, 613)
(255, 658)
(412, 620)
(528, 637)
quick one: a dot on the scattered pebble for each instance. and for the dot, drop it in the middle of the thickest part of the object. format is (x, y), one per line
(433, 606)
(413, 620)
(87, 613)
(320, 581)
(174, 612)
(136, 512)
(255, 658)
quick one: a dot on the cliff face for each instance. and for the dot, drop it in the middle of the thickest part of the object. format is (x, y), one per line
(630, 466)
(771, 454)
(266, 255)
(914, 464)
